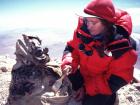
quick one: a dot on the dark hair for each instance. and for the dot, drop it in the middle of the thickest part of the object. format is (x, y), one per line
(108, 33)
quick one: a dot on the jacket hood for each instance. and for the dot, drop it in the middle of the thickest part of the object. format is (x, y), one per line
(106, 10)
(101, 8)
(123, 19)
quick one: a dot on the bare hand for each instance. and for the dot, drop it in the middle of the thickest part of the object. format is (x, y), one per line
(67, 69)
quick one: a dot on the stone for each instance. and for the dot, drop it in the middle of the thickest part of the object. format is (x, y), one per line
(3, 69)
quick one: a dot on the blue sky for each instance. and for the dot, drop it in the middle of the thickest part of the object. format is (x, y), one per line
(26, 6)
(50, 13)
(16, 6)
(37, 11)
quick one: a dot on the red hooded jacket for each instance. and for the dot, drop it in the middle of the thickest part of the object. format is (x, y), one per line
(96, 70)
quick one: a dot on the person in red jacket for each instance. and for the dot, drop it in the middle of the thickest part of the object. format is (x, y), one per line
(100, 58)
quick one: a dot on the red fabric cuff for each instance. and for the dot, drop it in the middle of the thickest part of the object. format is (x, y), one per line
(66, 60)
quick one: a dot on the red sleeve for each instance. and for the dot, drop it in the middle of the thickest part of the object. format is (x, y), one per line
(124, 66)
(71, 57)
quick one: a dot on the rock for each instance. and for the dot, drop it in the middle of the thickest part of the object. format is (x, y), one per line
(6, 63)
(137, 86)
(3, 69)
(129, 95)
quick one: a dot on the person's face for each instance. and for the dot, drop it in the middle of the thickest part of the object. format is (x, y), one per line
(94, 25)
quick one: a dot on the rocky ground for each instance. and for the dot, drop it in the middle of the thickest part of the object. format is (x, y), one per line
(5, 77)
(4, 86)
(128, 95)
